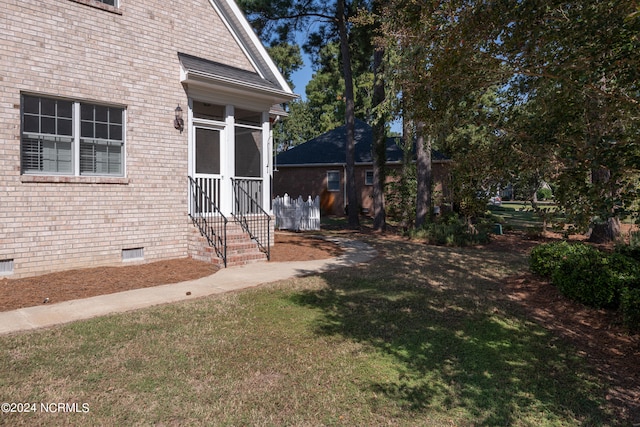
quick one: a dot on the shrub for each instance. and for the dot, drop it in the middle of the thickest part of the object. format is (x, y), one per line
(545, 258)
(625, 271)
(587, 277)
(453, 231)
(631, 250)
(630, 308)
(585, 274)
(544, 194)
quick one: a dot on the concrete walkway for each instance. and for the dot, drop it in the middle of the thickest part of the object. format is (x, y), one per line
(225, 280)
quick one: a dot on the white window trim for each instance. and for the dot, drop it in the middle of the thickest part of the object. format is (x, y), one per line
(366, 174)
(76, 142)
(339, 178)
(98, 4)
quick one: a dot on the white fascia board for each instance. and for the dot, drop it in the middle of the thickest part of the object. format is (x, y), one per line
(254, 39)
(240, 88)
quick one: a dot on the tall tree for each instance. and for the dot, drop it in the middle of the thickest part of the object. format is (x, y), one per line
(423, 175)
(572, 64)
(350, 118)
(439, 65)
(281, 19)
(586, 54)
(298, 127)
(379, 146)
(288, 59)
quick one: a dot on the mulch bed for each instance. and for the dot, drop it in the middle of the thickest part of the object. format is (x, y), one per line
(89, 282)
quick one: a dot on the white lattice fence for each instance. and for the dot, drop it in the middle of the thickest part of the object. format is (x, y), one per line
(297, 214)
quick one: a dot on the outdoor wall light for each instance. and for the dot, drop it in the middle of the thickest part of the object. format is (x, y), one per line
(178, 122)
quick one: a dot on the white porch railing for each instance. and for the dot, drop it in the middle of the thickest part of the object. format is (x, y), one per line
(297, 214)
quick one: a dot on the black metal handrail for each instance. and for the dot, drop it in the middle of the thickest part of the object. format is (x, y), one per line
(206, 216)
(248, 212)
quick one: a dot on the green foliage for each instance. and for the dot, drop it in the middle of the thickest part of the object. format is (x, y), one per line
(544, 194)
(630, 308)
(288, 59)
(400, 195)
(296, 128)
(280, 23)
(453, 231)
(595, 278)
(566, 110)
(587, 278)
(632, 250)
(546, 258)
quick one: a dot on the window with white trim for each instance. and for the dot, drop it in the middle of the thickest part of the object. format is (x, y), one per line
(368, 177)
(62, 137)
(109, 2)
(333, 181)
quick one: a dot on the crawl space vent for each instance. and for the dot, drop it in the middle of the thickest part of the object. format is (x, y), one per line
(134, 254)
(6, 266)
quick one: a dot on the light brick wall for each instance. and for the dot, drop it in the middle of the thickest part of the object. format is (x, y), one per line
(69, 49)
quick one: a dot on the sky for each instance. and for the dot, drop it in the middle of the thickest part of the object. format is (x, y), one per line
(301, 77)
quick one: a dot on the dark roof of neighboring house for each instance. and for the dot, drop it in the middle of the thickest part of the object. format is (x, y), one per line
(330, 148)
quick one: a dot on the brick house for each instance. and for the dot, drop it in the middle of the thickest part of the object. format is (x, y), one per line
(318, 168)
(131, 130)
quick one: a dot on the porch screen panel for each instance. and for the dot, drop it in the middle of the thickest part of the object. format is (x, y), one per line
(207, 151)
(248, 156)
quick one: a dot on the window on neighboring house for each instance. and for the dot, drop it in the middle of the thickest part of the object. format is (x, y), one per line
(368, 177)
(51, 143)
(333, 181)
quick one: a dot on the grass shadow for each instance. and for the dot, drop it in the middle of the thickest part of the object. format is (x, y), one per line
(433, 313)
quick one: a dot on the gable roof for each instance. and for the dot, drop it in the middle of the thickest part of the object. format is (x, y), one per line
(266, 82)
(249, 41)
(330, 149)
(222, 73)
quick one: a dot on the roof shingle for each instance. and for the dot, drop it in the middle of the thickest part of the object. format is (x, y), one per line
(330, 148)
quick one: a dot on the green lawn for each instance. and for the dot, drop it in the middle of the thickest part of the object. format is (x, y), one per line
(520, 215)
(422, 336)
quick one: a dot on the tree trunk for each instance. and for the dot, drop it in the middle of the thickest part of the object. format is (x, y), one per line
(379, 152)
(352, 196)
(609, 231)
(407, 158)
(605, 232)
(423, 175)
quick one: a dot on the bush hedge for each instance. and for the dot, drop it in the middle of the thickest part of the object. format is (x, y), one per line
(546, 258)
(544, 194)
(593, 277)
(453, 231)
(630, 308)
(588, 278)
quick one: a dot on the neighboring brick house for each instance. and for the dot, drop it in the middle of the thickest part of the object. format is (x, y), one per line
(318, 168)
(94, 156)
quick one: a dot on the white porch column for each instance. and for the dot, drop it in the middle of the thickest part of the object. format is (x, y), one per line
(227, 162)
(267, 154)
